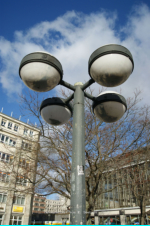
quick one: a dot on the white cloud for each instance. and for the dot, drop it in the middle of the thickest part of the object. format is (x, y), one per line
(72, 38)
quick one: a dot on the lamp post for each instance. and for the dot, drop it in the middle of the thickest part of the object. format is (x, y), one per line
(110, 66)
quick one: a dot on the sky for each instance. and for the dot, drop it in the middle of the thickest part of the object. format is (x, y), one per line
(71, 30)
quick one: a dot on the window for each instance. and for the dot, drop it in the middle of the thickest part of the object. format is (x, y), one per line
(15, 128)
(42, 200)
(3, 197)
(36, 209)
(1, 219)
(12, 142)
(25, 132)
(9, 125)
(23, 163)
(26, 145)
(7, 140)
(3, 123)
(5, 177)
(36, 199)
(15, 220)
(31, 133)
(6, 157)
(41, 204)
(20, 200)
(21, 180)
(36, 204)
(42, 210)
(3, 138)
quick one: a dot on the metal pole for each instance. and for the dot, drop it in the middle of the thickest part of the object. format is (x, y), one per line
(78, 204)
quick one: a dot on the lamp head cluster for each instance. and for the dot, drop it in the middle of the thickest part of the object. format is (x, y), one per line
(109, 66)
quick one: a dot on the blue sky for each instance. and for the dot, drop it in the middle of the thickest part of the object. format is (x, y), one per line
(71, 31)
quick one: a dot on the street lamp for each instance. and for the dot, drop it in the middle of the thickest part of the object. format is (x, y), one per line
(110, 66)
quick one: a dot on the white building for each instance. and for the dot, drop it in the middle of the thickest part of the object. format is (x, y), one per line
(57, 206)
(18, 156)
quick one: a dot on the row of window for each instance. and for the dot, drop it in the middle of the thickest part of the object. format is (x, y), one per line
(15, 127)
(37, 209)
(37, 204)
(54, 206)
(39, 200)
(19, 200)
(5, 177)
(7, 140)
(9, 125)
(6, 157)
(28, 132)
(55, 202)
(15, 220)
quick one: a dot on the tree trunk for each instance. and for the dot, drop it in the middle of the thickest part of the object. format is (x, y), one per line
(142, 208)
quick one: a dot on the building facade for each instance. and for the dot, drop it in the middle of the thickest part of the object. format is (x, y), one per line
(39, 204)
(130, 216)
(18, 157)
(118, 187)
(57, 206)
(125, 190)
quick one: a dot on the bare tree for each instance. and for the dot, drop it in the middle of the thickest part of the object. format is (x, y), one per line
(104, 144)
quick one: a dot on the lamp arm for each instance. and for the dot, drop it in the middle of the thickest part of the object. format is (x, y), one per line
(67, 85)
(89, 96)
(87, 84)
(83, 87)
(69, 98)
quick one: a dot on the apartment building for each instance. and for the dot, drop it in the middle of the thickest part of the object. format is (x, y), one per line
(57, 206)
(39, 204)
(18, 156)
